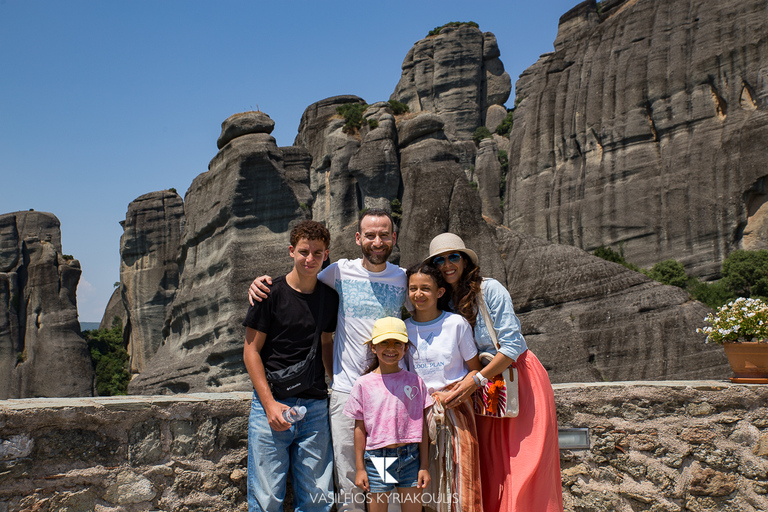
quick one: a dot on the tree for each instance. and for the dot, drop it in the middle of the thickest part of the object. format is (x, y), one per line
(669, 272)
(745, 273)
(109, 359)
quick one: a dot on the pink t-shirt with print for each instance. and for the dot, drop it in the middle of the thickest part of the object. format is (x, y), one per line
(391, 406)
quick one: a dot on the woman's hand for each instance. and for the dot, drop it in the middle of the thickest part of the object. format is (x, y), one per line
(259, 289)
(461, 392)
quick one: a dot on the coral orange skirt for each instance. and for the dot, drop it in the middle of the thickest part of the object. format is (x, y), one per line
(520, 457)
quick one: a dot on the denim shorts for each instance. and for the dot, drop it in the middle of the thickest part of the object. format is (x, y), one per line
(400, 467)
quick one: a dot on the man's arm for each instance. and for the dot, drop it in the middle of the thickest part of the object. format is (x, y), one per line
(254, 342)
(259, 289)
(326, 346)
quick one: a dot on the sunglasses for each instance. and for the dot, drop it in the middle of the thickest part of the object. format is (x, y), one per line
(440, 260)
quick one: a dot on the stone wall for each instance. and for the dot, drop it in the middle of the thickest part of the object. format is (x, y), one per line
(660, 446)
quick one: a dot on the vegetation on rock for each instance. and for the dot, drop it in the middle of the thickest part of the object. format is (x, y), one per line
(398, 107)
(480, 133)
(435, 31)
(505, 126)
(353, 115)
(744, 274)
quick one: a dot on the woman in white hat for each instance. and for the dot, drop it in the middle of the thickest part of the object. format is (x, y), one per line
(519, 457)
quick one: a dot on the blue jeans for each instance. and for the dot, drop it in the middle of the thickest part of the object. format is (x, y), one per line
(304, 450)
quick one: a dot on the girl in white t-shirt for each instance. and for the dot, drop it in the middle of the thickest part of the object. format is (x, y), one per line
(388, 405)
(445, 353)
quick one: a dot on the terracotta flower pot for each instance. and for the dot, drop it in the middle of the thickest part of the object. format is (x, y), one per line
(749, 362)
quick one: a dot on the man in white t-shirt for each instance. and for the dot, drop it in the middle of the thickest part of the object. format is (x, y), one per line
(369, 288)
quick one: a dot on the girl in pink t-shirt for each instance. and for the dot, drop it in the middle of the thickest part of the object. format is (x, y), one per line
(388, 405)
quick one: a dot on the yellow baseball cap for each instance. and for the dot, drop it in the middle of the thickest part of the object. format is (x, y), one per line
(389, 328)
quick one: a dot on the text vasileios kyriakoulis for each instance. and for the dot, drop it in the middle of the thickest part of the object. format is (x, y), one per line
(391, 497)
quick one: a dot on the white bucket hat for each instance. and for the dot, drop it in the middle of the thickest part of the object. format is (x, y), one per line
(448, 242)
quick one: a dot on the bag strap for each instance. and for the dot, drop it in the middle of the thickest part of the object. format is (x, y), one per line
(487, 319)
(319, 327)
(313, 349)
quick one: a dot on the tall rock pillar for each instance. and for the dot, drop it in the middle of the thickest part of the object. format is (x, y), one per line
(42, 353)
(149, 270)
(238, 217)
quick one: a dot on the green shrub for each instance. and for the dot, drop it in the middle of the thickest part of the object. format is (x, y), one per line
(373, 124)
(353, 115)
(481, 133)
(172, 190)
(669, 272)
(396, 210)
(504, 161)
(503, 158)
(398, 107)
(109, 359)
(609, 254)
(437, 30)
(713, 295)
(506, 125)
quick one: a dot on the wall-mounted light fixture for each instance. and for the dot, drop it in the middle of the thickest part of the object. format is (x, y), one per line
(573, 438)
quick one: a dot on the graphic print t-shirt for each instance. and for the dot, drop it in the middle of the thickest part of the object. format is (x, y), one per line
(391, 406)
(442, 347)
(364, 297)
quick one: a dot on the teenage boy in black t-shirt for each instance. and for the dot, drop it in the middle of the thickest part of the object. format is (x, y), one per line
(280, 332)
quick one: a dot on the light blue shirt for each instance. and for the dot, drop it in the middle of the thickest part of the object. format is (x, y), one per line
(504, 319)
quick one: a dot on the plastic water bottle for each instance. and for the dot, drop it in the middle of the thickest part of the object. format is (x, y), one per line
(294, 414)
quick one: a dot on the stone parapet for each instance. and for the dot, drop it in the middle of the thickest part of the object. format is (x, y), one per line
(662, 446)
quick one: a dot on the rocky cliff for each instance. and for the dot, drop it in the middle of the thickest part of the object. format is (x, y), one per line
(646, 127)
(149, 270)
(42, 353)
(587, 319)
(237, 219)
(456, 74)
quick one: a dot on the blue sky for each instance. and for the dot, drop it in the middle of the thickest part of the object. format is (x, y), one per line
(101, 102)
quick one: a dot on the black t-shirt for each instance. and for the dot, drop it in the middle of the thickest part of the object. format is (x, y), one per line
(290, 318)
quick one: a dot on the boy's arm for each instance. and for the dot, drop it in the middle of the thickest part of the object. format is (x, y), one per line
(424, 478)
(361, 477)
(254, 342)
(326, 340)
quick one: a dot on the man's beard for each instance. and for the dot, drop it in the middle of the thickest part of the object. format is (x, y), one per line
(376, 259)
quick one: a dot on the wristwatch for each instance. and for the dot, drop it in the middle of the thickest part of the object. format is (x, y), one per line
(481, 381)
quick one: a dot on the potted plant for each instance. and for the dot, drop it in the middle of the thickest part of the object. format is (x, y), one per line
(741, 326)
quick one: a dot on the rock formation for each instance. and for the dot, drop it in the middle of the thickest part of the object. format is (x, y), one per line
(42, 353)
(237, 219)
(587, 319)
(149, 270)
(590, 320)
(456, 74)
(646, 126)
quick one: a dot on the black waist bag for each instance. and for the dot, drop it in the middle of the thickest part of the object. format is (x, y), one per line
(298, 377)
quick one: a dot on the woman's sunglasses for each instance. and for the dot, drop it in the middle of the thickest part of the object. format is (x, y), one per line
(440, 260)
